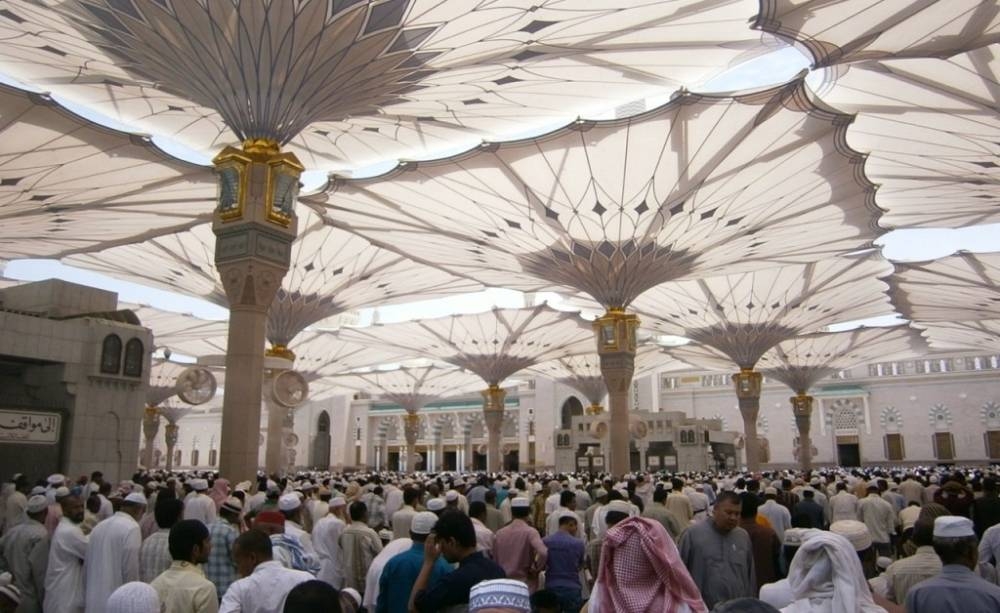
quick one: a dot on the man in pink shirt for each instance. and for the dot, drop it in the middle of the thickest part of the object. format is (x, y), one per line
(518, 547)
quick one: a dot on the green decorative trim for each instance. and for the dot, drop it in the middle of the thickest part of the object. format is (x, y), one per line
(450, 405)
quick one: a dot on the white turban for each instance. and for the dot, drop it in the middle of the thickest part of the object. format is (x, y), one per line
(134, 597)
(826, 575)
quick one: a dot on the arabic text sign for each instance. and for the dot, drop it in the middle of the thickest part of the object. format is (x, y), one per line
(27, 427)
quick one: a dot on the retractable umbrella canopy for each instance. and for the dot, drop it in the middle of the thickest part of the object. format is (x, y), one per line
(331, 272)
(69, 185)
(852, 30)
(346, 83)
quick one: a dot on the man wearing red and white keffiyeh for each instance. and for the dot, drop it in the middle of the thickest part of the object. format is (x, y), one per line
(641, 571)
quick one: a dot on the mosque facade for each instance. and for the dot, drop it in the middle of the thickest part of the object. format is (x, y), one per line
(939, 409)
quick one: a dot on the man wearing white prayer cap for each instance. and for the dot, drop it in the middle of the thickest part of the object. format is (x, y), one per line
(518, 548)
(958, 588)
(113, 553)
(500, 595)
(198, 505)
(134, 597)
(394, 570)
(64, 576)
(436, 505)
(24, 551)
(325, 538)
(290, 506)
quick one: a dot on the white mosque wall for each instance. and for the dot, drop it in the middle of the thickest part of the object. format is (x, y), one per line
(961, 404)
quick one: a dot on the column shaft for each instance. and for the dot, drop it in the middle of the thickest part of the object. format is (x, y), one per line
(241, 403)
(748, 385)
(615, 334)
(171, 434)
(274, 456)
(802, 406)
(411, 431)
(493, 408)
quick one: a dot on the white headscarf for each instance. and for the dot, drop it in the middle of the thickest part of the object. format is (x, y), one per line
(825, 576)
(134, 597)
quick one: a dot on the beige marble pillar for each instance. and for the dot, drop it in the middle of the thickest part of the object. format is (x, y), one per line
(802, 407)
(411, 432)
(748, 385)
(493, 407)
(150, 428)
(466, 461)
(254, 223)
(616, 344)
(171, 434)
(273, 444)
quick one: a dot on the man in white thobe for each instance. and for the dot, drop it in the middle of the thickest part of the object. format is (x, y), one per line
(64, 577)
(24, 552)
(374, 574)
(198, 505)
(113, 553)
(326, 537)
(265, 583)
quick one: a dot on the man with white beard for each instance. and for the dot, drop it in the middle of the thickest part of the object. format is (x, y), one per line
(64, 577)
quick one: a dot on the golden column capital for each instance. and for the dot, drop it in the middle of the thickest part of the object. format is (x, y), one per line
(594, 409)
(748, 383)
(802, 404)
(493, 398)
(280, 351)
(616, 331)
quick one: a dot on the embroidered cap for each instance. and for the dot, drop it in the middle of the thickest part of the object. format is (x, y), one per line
(500, 594)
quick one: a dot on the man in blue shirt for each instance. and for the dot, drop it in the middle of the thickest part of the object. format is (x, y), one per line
(562, 568)
(958, 589)
(453, 537)
(400, 572)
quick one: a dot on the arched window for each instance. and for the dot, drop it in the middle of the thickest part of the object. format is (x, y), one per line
(570, 409)
(111, 354)
(323, 423)
(133, 358)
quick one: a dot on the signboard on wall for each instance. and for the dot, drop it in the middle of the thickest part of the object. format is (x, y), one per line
(27, 427)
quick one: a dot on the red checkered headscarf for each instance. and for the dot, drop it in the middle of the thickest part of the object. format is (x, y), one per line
(641, 570)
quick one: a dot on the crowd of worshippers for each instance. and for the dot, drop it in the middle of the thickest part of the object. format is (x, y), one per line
(838, 541)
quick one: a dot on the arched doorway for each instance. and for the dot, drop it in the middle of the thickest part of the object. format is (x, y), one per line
(321, 442)
(571, 408)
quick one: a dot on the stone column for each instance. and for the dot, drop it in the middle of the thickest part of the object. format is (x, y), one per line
(615, 332)
(438, 452)
(274, 447)
(493, 406)
(254, 224)
(642, 455)
(171, 434)
(150, 428)
(748, 384)
(411, 431)
(466, 463)
(802, 406)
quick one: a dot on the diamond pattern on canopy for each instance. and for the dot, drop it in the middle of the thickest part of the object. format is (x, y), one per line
(346, 81)
(802, 361)
(413, 387)
(744, 315)
(583, 372)
(331, 272)
(933, 133)
(69, 185)
(960, 287)
(852, 30)
(702, 185)
(494, 345)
